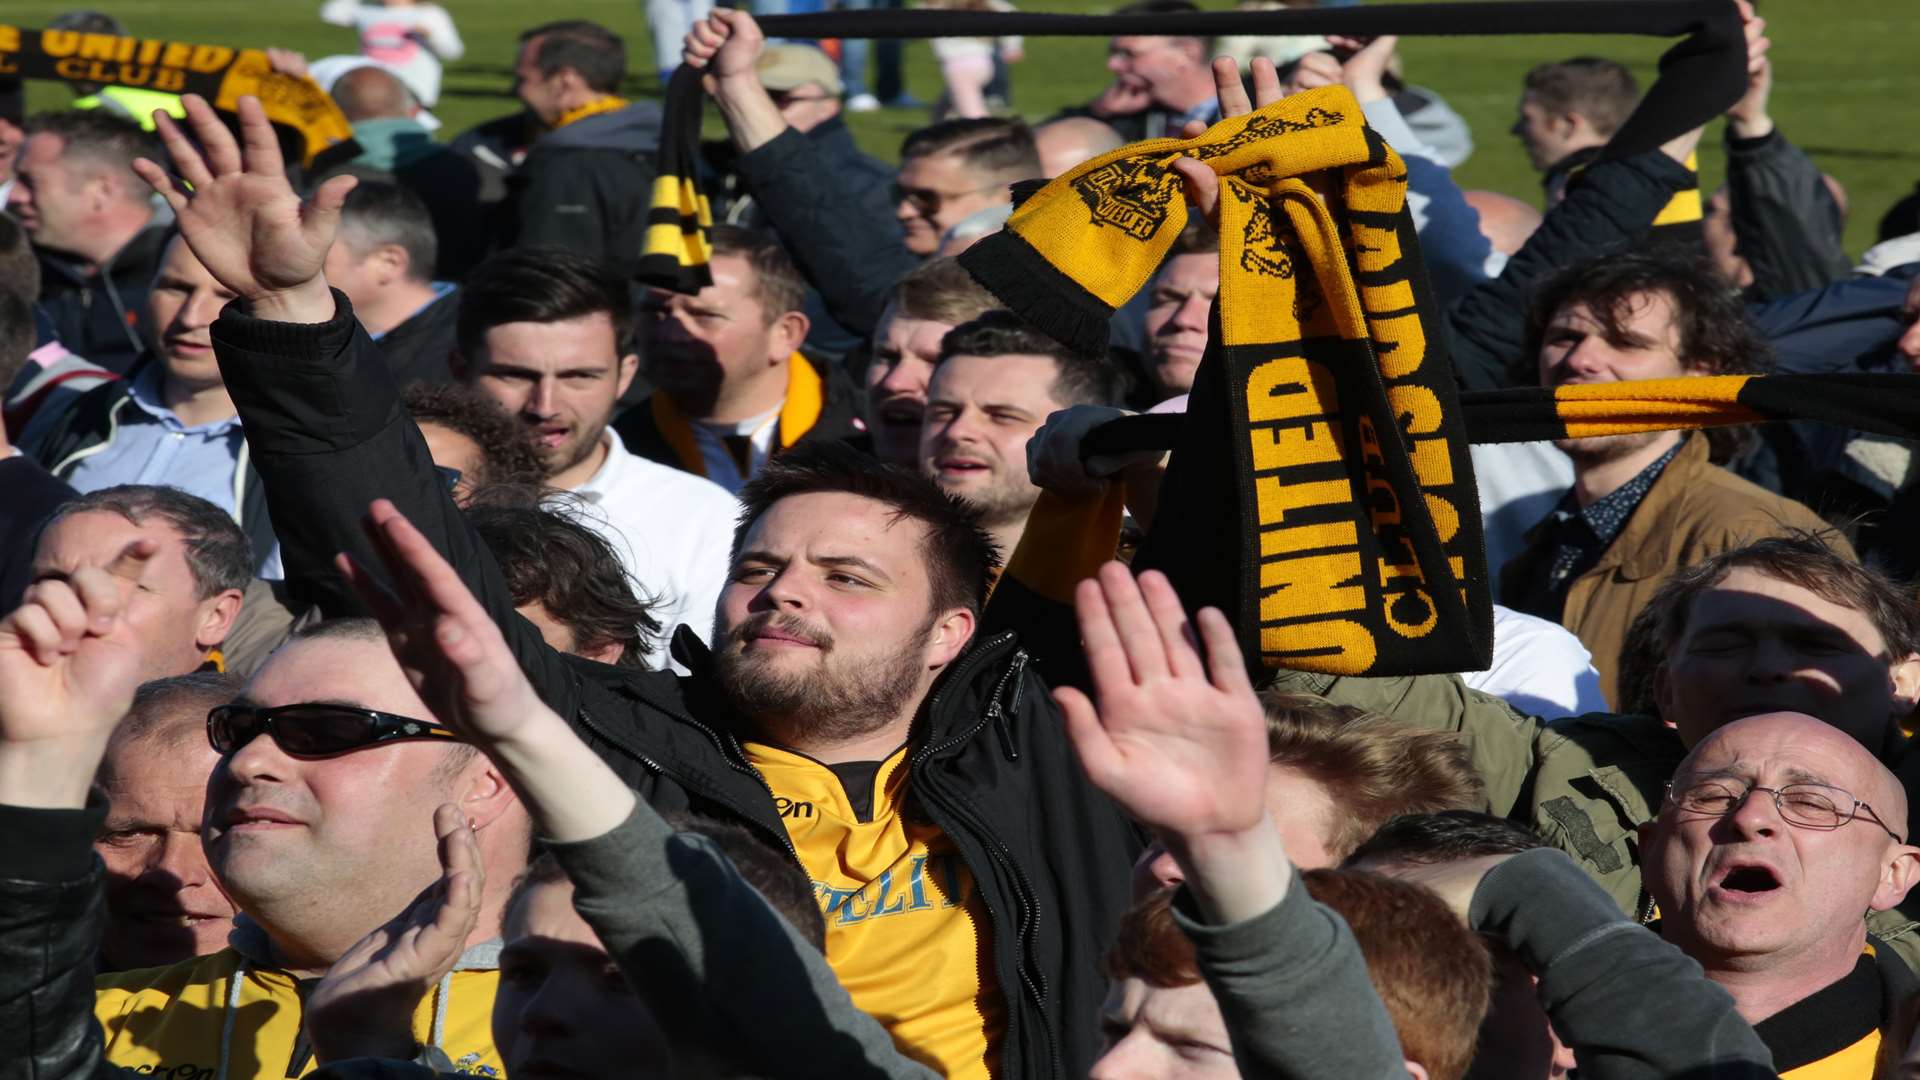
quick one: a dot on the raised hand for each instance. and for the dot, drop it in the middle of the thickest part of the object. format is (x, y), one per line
(364, 1005)
(449, 647)
(67, 676)
(242, 218)
(1749, 118)
(1179, 742)
(1203, 187)
(727, 43)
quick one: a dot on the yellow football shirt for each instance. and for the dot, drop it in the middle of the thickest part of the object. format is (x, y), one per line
(907, 932)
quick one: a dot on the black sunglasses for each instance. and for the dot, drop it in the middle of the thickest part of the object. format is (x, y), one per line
(309, 729)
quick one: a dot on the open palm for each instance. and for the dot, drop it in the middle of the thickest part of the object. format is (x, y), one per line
(1179, 742)
(242, 218)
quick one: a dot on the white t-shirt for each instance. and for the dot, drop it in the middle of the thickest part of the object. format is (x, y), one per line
(412, 40)
(1539, 668)
(674, 531)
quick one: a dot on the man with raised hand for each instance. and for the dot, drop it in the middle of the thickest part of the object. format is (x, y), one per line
(846, 679)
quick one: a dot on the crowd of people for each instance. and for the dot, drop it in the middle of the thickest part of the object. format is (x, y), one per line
(427, 650)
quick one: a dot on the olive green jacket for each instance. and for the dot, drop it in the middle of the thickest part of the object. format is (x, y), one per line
(1585, 784)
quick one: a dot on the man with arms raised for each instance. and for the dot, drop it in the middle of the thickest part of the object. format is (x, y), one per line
(1778, 833)
(547, 334)
(732, 388)
(845, 683)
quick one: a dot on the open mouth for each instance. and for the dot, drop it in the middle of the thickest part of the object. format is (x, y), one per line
(960, 466)
(549, 437)
(1749, 880)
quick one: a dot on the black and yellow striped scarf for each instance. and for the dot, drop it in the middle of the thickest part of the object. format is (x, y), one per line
(1700, 76)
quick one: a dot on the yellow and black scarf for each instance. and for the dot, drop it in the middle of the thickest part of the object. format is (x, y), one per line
(1699, 76)
(219, 73)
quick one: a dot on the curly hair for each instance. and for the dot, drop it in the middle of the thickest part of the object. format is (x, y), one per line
(509, 458)
(1716, 337)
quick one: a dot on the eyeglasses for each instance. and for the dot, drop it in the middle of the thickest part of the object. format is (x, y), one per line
(782, 100)
(449, 476)
(928, 201)
(1809, 806)
(311, 729)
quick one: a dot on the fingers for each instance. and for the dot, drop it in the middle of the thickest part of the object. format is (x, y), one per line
(102, 598)
(1203, 187)
(64, 620)
(180, 150)
(1133, 623)
(1266, 83)
(1106, 660)
(132, 561)
(1090, 740)
(465, 632)
(704, 40)
(1170, 619)
(1226, 82)
(263, 156)
(320, 217)
(162, 184)
(217, 147)
(1226, 664)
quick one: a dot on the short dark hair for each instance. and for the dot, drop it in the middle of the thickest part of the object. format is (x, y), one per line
(539, 285)
(1079, 379)
(1601, 90)
(218, 554)
(1716, 337)
(1373, 768)
(17, 335)
(1445, 836)
(1798, 558)
(378, 213)
(777, 284)
(19, 267)
(111, 140)
(996, 149)
(457, 407)
(548, 556)
(772, 873)
(1198, 237)
(597, 53)
(960, 554)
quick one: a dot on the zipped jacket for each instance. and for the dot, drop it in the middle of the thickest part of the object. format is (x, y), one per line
(990, 763)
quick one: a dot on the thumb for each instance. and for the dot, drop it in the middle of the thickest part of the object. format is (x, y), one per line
(1203, 187)
(322, 213)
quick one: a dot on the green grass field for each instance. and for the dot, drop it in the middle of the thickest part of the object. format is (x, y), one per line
(1847, 85)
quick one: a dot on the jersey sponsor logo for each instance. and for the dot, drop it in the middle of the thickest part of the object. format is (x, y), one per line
(889, 895)
(792, 808)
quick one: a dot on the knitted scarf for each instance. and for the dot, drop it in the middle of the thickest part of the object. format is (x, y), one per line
(1321, 492)
(1699, 76)
(219, 73)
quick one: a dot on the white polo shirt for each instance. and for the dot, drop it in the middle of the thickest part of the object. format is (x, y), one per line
(673, 529)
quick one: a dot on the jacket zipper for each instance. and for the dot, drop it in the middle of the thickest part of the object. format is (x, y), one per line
(1035, 982)
(113, 432)
(603, 733)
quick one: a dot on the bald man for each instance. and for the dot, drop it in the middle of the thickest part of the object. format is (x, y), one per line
(1071, 140)
(1779, 834)
(372, 93)
(1505, 221)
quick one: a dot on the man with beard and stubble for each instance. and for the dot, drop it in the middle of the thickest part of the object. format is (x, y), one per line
(1641, 505)
(546, 334)
(996, 381)
(846, 714)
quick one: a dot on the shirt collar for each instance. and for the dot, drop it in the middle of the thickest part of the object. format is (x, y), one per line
(604, 479)
(144, 391)
(1608, 514)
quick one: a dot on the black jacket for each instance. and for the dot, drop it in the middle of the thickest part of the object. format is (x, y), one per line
(991, 767)
(1609, 207)
(840, 417)
(93, 423)
(867, 187)
(1786, 223)
(52, 902)
(32, 495)
(100, 315)
(587, 187)
(845, 244)
(417, 349)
